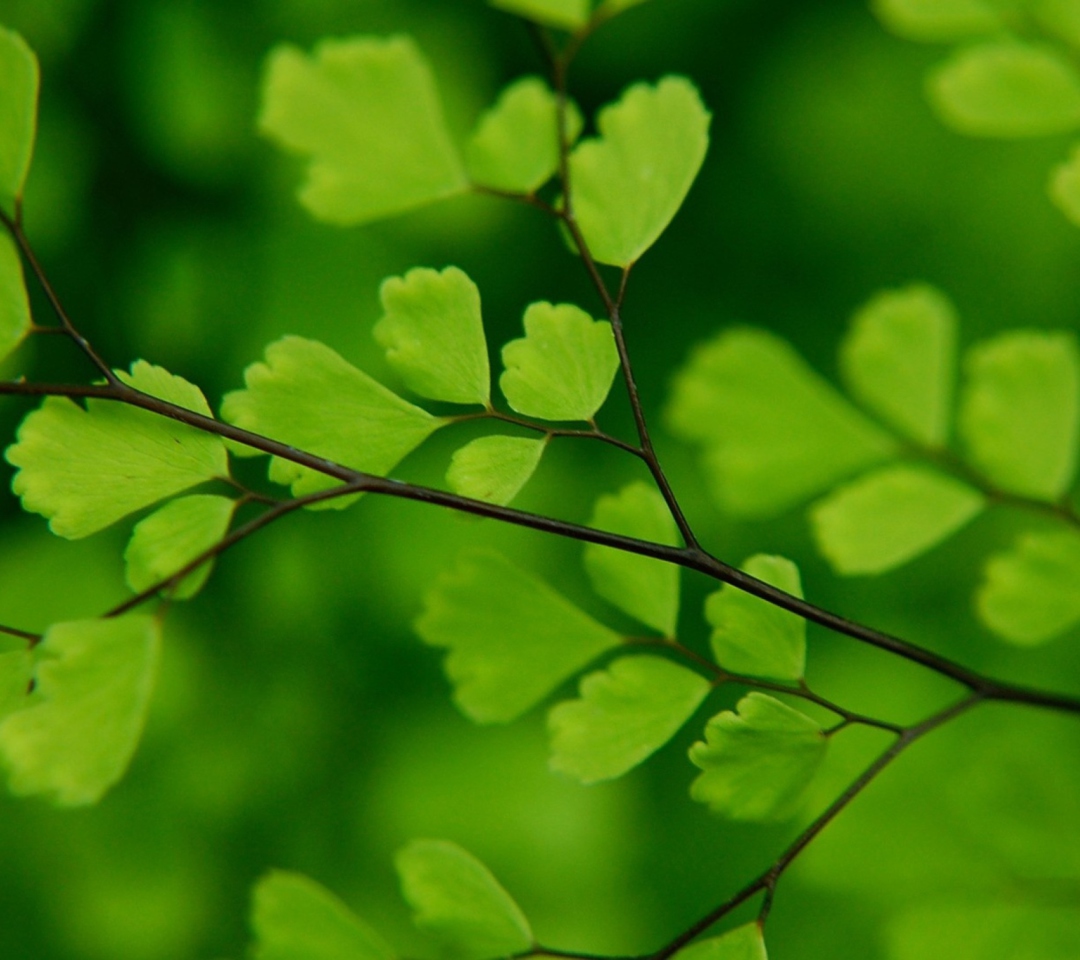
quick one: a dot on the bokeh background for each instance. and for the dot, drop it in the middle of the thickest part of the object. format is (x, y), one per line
(298, 722)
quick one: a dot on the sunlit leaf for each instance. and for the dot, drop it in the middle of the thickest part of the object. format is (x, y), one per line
(629, 182)
(433, 334)
(76, 735)
(562, 369)
(624, 714)
(173, 536)
(1031, 593)
(1060, 17)
(646, 589)
(294, 918)
(758, 762)
(307, 396)
(14, 304)
(753, 637)
(85, 469)
(456, 899)
(1064, 186)
(366, 113)
(16, 671)
(19, 82)
(1004, 88)
(494, 468)
(899, 360)
(511, 638)
(938, 20)
(1020, 411)
(774, 432)
(564, 14)
(742, 943)
(891, 516)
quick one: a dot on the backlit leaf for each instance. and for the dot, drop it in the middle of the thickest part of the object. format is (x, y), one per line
(1061, 18)
(1064, 186)
(742, 943)
(511, 638)
(494, 469)
(19, 81)
(1004, 88)
(630, 181)
(753, 637)
(294, 918)
(366, 113)
(891, 516)
(85, 469)
(456, 899)
(1020, 411)
(16, 671)
(562, 369)
(899, 360)
(625, 714)
(14, 304)
(774, 432)
(758, 762)
(433, 334)
(564, 14)
(938, 20)
(646, 589)
(76, 735)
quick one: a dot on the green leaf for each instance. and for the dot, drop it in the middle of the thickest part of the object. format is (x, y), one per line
(742, 943)
(494, 469)
(935, 21)
(1064, 186)
(515, 146)
(564, 14)
(630, 181)
(14, 303)
(1004, 88)
(294, 918)
(1029, 593)
(19, 83)
(609, 8)
(753, 637)
(307, 396)
(774, 432)
(366, 112)
(16, 672)
(899, 360)
(625, 714)
(172, 537)
(511, 638)
(563, 367)
(891, 516)
(456, 899)
(77, 734)
(1020, 411)
(85, 469)
(1060, 17)
(758, 762)
(646, 589)
(434, 336)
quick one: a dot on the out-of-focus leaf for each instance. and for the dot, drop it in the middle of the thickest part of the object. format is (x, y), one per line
(935, 21)
(1064, 186)
(742, 943)
(494, 468)
(609, 8)
(19, 81)
(564, 14)
(16, 672)
(14, 303)
(1060, 17)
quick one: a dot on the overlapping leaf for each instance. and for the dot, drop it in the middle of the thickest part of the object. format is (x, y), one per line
(494, 468)
(564, 14)
(938, 20)
(14, 303)
(1064, 186)
(19, 81)
(742, 943)
(16, 672)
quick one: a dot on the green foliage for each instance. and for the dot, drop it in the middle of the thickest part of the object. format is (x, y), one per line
(742, 943)
(937, 20)
(14, 304)
(19, 83)
(16, 674)
(1064, 186)
(494, 469)
(564, 14)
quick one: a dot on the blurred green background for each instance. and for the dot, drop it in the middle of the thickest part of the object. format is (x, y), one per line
(298, 723)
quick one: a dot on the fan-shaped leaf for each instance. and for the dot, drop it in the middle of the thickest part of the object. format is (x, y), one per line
(564, 14)
(758, 762)
(434, 336)
(456, 899)
(19, 82)
(1064, 186)
(76, 735)
(14, 304)
(753, 637)
(938, 20)
(494, 468)
(16, 672)
(85, 469)
(511, 638)
(630, 181)
(366, 112)
(563, 367)
(742, 943)
(625, 714)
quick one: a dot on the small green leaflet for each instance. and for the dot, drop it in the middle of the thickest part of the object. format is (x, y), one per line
(456, 899)
(85, 469)
(307, 396)
(1020, 411)
(19, 81)
(1005, 88)
(1064, 186)
(630, 181)
(294, 918)
(77, 733)
(753, 637)
(564, 14)
(563, 367)
(172, 537)
(934, 21)
(366, 112)
(625, 714)
(433, 335)
(16, 672)
(1029, 594)
(14, 304)
(891, 516)
(515, 146)
(494, 469)
(899, 360)
(742, 943)
(774, 432)
(757, 763)
(511, 638)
